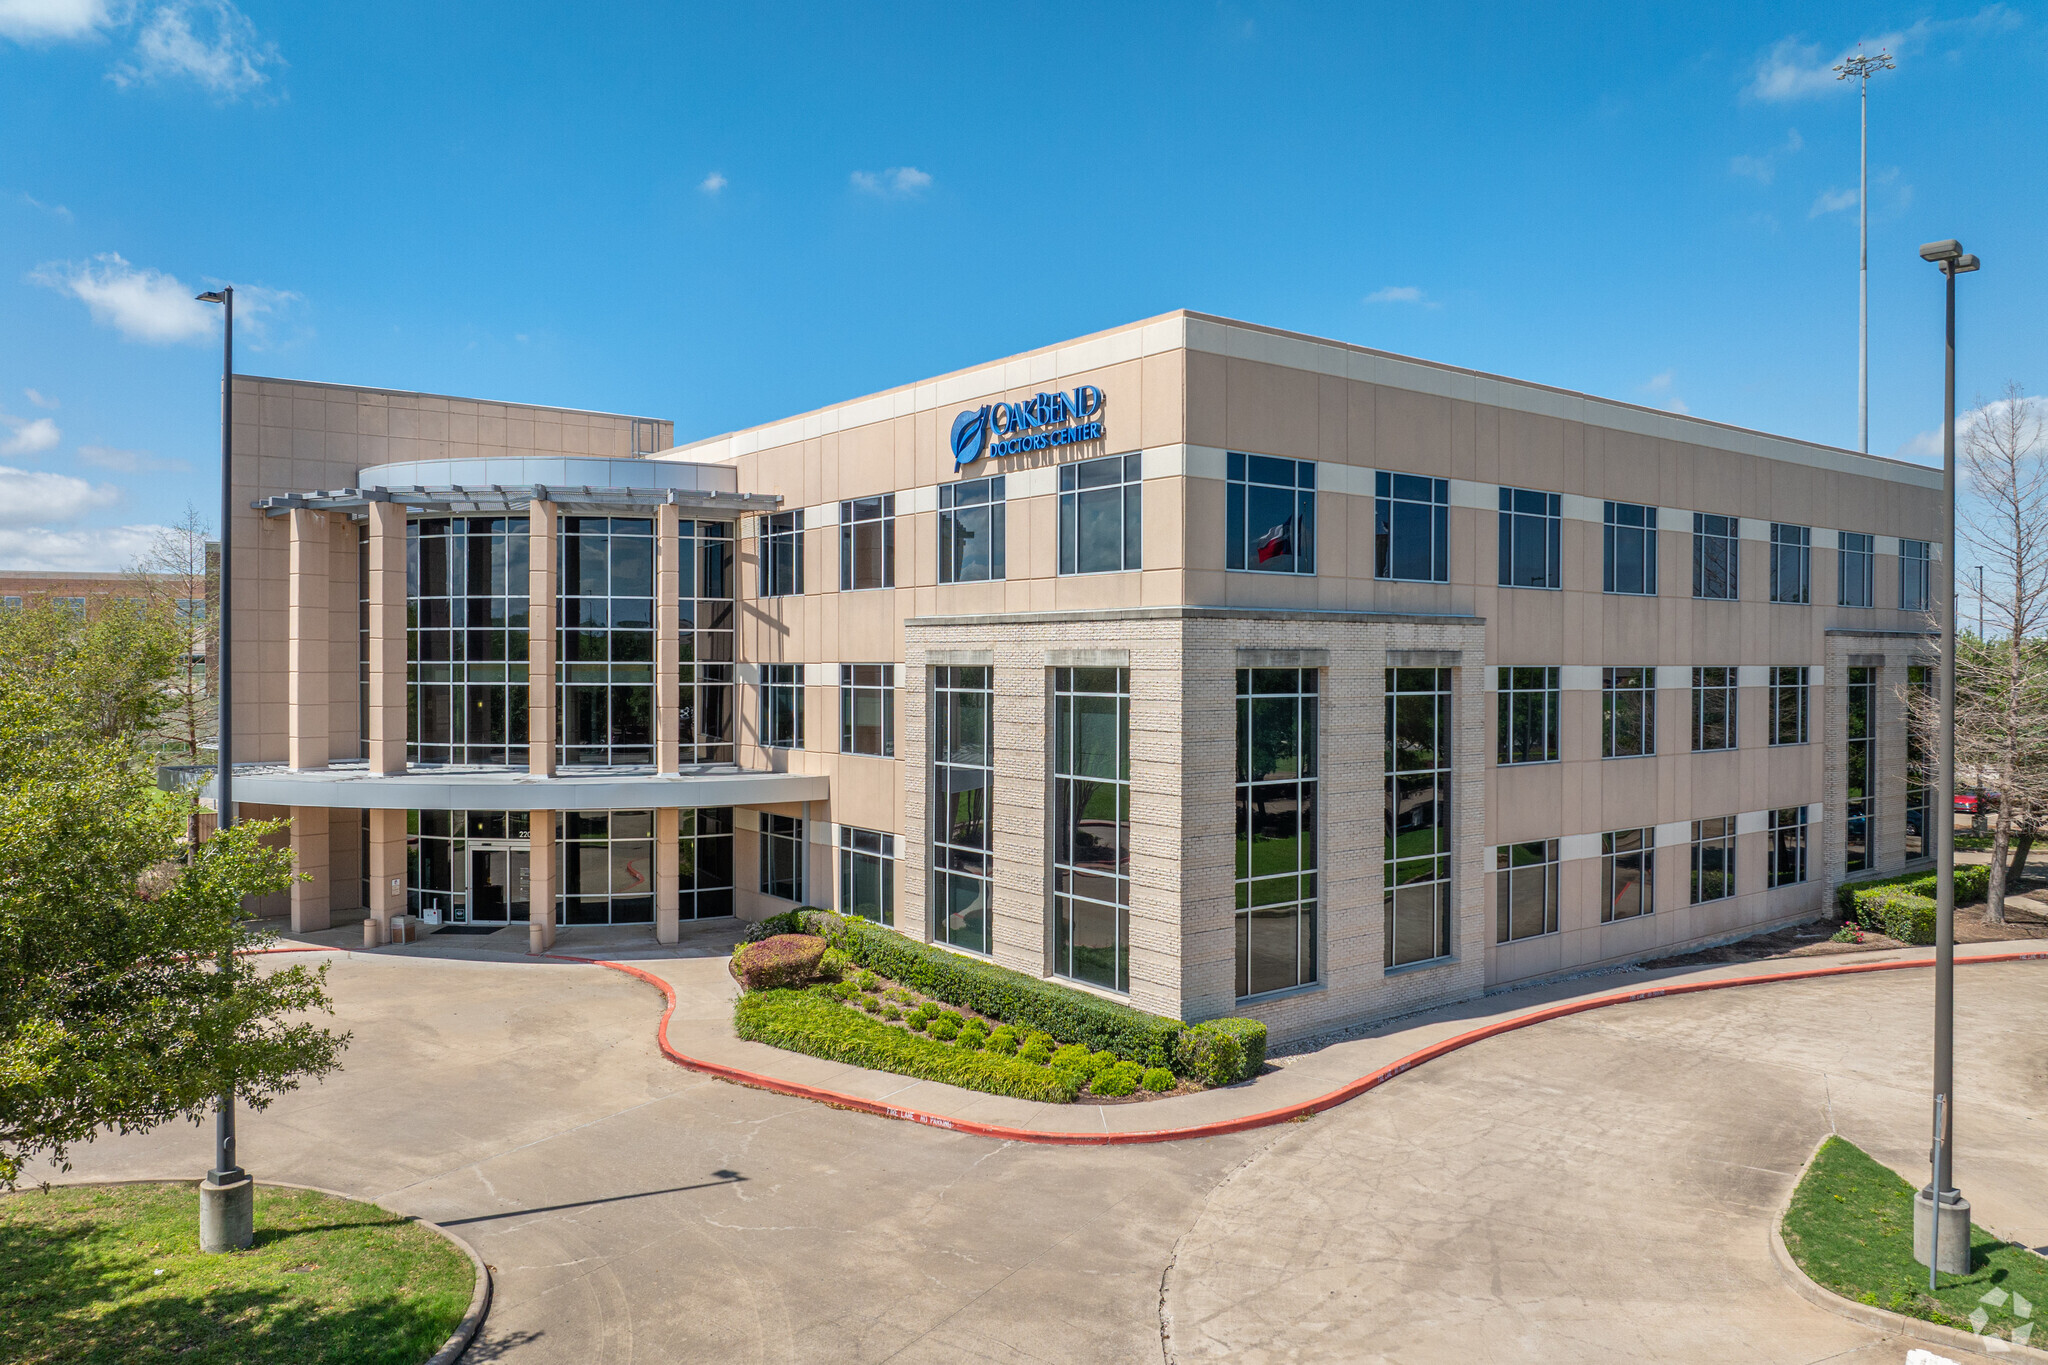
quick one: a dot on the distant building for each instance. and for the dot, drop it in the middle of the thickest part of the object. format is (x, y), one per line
(1216, 668)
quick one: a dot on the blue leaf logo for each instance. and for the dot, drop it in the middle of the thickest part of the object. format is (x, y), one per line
(970, 436)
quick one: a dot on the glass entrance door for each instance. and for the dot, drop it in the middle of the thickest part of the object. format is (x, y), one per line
(500, 881)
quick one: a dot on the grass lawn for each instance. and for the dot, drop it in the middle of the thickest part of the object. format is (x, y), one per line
(1850, 1228)
(113, 1275)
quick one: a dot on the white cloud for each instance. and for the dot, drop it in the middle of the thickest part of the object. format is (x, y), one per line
(270, 319)
(40, 400)
(28, 436)
(1832, 201)
(207, 41)
(1658, 387)
(1925, 445)
(1401, 293)
(712, 183)
(898, 182)
(1763, 167)
(104, 549)
(146, 305)
(30, 495)
(32, 21)
(1659, 383)
(54, 210)
(131, 461)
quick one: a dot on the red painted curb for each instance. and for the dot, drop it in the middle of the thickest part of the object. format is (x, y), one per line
(1307, 1108)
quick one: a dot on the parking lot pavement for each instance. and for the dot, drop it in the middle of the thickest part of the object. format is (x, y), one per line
(1595, 1188)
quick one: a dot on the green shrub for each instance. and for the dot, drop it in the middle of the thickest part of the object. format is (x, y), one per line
(1972, 883)
(1073, 1057)
(868, 1003)
(815, 1024)
(1209, 1054)
(832, 966)
(1251, 1037)
(892, 1012)
(973, 1033)
(1003, 995)
(1898, 914)
(1036, 1048)
(916, 1020)
(1118, 1080)
(868, 981)
(1159, 1079)
(787, 922)
(900, 996)
(944, 1027)
(784, 960)
(1003, 1038)
(842, 990)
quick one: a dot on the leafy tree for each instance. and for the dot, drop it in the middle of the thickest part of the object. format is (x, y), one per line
(178, 579)
(122, 1001)
(104, 672)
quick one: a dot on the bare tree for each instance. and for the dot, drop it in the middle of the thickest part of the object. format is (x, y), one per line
(175, 576)
(2002, 681)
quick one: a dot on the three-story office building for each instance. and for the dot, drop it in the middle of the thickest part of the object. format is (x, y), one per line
(1218, 668)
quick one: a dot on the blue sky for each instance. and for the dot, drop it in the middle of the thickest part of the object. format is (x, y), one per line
(726, 214)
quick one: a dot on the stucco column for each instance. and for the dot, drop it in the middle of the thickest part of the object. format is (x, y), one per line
(545, 882)
(543, 602)
(387, 638)
(668, 626)
(387, 869)
(308, 664)
(667, 874)
(311, 898)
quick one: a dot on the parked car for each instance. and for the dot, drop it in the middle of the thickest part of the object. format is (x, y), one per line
(1976, 801)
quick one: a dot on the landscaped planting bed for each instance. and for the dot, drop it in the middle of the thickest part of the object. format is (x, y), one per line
(877, 999)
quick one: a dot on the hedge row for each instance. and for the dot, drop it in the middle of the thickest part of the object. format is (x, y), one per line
(1972, 883)
(1894, 912)
(1003, 995)
(805, 1021)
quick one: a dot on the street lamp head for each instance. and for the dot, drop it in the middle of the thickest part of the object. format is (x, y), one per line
(1939, 252)
(212, 296)
(1965, 263)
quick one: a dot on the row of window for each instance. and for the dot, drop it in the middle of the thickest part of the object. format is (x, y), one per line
(1526, 881)
(867, 708)
(1270, 527)
(1530, 701)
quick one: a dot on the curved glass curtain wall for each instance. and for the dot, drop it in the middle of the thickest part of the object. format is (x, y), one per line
(466, 621)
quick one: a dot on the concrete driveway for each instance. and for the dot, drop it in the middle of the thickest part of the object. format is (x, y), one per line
(1592, 1189)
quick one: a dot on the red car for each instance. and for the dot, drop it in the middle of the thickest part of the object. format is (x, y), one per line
(1975, 802)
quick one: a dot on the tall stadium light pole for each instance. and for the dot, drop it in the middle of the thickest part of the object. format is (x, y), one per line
(1941, 1202)
(1860, 68)
(226, 1203)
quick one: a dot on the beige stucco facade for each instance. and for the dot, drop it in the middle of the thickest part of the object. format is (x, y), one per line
(1185, 392)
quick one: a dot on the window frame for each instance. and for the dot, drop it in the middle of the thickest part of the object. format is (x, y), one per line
(1916, 575)
(1391, 492)
(1787, 837)
(953, 863)
(1705, 693)
(1507, 723)
(1708, 544)
(868, 852)
(1406, 873)
(1075, 501)
(1721, 841)
(1076, 888)
(1644, 852)
(986, 494)
(1859, 768)
(1855, 566)
(782, 706)
(1791, 559)
(1510, 875)
(1612, 690)
(1520, 509)
(1245, 476)
(781, 837)
(1799, 691)
(1261, 905)
(779, 552)
(867, 529)
(1615, 534)
(856, 683)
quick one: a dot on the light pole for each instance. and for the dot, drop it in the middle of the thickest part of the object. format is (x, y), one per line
(1941, 1216)
(227, 1198)
(1860, 68)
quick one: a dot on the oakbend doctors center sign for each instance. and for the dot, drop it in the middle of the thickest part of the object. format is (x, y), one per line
(1039, 422)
